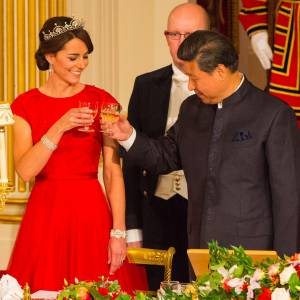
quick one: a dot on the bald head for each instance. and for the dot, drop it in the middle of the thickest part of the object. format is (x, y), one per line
(189, 14)
(185, 18)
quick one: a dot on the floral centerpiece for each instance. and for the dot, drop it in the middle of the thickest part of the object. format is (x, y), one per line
(104, 289)
(233, 275)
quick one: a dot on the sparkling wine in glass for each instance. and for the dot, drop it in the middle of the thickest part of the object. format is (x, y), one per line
(93, 106)
(110, 112)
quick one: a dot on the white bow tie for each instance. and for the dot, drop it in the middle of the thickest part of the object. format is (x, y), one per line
(180, 78)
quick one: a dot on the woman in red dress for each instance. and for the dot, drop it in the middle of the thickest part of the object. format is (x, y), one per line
(70, 228)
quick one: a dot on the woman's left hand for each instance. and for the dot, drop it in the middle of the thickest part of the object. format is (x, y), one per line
(116, 253)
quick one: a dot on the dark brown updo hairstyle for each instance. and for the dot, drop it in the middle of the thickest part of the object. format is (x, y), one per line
(57, 42)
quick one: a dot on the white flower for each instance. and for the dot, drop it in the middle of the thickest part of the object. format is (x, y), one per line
(273, 269)
(250, 294)
(254, 284)
(237, 284)
(223, 272)
(226, 273)
(280, 294)
(258, 274)
(286, 274)
(234, 282)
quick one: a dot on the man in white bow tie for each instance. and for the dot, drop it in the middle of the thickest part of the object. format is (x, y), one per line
(156, 206)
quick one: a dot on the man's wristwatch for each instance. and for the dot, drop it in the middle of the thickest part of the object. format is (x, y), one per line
(118, 234)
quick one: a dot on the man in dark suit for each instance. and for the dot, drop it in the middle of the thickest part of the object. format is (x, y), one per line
(156, 206)
(239, 149)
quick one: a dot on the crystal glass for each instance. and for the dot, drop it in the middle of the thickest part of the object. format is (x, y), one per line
(186, 288)
(110, 112)
(168, 286)
(92, 105)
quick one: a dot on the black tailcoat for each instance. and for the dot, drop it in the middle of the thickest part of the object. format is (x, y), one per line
(163, 222)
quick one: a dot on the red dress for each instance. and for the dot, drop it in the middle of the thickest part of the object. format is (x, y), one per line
(66, 226)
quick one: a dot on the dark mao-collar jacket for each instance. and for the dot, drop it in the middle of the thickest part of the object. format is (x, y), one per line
(242, 168)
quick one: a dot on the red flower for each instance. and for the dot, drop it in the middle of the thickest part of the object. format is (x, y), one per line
(265, 295)
(245, 287)
(226, 287)
(103, 291)
(114, 295)
(297, 268)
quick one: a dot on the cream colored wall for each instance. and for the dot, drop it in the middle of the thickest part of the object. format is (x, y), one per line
(142, 43)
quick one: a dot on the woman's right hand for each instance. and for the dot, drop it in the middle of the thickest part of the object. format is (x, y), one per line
(75, 117)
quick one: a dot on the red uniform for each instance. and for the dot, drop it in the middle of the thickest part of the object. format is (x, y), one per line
(285, 72)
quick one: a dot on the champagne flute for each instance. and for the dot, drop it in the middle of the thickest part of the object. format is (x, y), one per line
(92, 105)
(110, 112)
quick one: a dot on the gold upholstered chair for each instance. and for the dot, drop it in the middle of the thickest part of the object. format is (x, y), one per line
(147, 256)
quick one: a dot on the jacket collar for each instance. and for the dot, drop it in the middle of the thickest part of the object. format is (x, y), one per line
(238, 94)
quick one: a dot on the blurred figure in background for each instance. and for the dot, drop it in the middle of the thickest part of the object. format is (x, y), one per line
(156, 206)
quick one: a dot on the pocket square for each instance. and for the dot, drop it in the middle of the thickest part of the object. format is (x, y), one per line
(241, 136)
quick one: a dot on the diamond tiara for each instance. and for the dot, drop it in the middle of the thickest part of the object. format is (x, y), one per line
(74, 24)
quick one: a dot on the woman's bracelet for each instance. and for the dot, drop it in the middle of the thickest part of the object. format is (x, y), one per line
(49, 144)
(118, 233)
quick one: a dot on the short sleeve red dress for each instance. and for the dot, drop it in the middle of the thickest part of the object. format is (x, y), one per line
(65, 230)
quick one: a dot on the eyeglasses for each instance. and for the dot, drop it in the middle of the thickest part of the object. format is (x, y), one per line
(176, 35)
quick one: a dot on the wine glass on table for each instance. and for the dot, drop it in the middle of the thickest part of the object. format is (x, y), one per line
(186, 288)
(167, 287)
(93, 106)
(110, 112)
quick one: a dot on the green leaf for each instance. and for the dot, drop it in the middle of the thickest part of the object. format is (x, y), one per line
(238, 272)
(95, 294)
(123, 296)
(294, 283)
(203, 278)
(114, 287)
